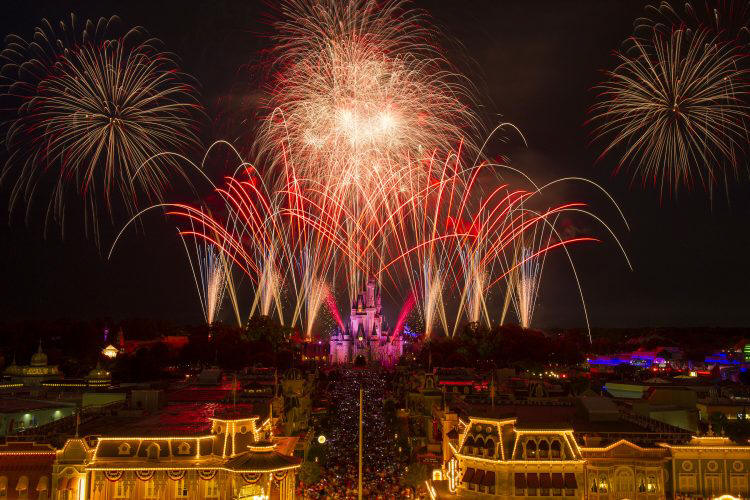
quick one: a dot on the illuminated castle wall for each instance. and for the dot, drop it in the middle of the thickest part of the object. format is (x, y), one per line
(366, 335)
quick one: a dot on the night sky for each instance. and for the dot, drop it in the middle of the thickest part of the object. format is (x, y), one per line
(537, 62)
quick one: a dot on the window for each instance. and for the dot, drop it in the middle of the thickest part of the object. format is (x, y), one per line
(182, 491)
(123, 449)
(738, 484)
(544, 449)
(149, 489)
(651, 485)
(531, 449)
(212, 488)
(120, 490)
(184, 448)
(603, 483)
(555, 450)
(23, 487)
(153, 451)
(490, 445)
(713, 483)
(625, 481)
(687, 483)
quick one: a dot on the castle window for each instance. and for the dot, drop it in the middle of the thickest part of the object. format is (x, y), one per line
(123, 449)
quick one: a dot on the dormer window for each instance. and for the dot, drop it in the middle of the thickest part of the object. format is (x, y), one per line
(123, 449)
(153, 451)
(183, 449)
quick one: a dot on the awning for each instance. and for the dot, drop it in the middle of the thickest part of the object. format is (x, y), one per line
(520, 481)
(489, 479)
(570, 481)
(532, 480)
(545, 480)
(43, 484)
(23, 483)
(62, 484)
(557, 480)
(468, 475)
(478, 476)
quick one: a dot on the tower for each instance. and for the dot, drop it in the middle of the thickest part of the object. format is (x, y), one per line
(366, 334)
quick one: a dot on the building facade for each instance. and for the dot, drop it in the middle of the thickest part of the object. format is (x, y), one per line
(498, 458)
(366, 336)
(238, 459)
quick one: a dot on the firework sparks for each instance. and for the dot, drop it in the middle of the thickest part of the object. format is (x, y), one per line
(211, 275)
(96, 107)
(675, 107)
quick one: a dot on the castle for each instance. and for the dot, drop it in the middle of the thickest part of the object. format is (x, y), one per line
(367, 334)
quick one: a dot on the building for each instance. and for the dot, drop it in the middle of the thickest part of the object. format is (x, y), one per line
(239, 458)
(504, 457)
(367, 336)
(35, 373)
(709, 467)
(20, 415)
(26, 471)
(497, 458)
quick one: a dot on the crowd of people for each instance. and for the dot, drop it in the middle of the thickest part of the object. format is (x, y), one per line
(340, 482)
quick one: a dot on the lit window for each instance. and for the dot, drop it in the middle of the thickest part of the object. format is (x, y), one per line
(150, 489)
(182, 491)
(120, 490)
(212, 488)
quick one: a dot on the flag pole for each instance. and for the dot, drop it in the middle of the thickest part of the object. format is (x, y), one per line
(360, 445)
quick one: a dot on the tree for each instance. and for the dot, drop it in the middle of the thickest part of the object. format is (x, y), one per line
(718, 422)
(309, 472)
(738, 430)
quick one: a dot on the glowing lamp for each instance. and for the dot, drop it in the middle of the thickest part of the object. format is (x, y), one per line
(321, 439)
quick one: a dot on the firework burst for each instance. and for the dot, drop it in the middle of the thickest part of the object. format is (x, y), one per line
(91, 108)
(675, 109)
